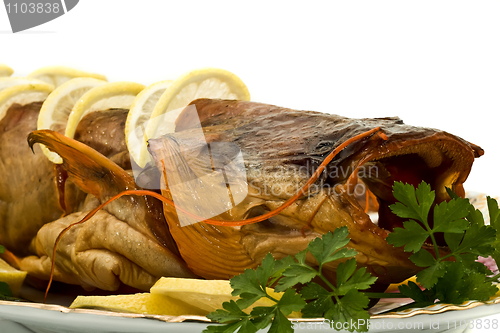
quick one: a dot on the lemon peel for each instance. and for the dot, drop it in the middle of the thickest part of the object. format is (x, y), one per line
(57, 75)
(58, 105)
(23, 94)
(100, 98)
(139, 113)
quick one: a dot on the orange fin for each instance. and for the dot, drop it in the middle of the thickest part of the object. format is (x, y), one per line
(88, 169)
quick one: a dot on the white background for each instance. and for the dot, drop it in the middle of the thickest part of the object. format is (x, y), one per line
(432, 63)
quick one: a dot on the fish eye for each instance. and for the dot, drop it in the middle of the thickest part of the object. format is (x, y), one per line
(324, 147)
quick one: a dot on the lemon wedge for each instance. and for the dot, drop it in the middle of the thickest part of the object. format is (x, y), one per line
(200, 83)
(58, 105)
(144, 303)
(12, 277)
(206, 294)
(103, 97)
(23, 94)
(5, 70)
(139, 113)
(57, 75)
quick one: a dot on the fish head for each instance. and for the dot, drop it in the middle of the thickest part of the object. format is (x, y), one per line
(275, 151)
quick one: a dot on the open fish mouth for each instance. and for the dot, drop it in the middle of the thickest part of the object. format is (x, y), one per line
(440, 160)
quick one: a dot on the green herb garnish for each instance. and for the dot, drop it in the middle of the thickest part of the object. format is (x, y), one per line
(449, 275)
(5, 292)
(340, 302)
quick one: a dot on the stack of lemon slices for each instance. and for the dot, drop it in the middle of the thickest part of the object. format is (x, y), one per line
(36, 87)
(72, 100)
(68, 95)
(146, 117)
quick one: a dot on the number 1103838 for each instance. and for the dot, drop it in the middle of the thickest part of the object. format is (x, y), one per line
(33, 7)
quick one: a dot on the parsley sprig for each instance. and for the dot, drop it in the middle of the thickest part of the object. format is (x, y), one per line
(449, 275)
(342, 301)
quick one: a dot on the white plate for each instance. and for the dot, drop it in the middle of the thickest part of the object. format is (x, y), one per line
(39, 318)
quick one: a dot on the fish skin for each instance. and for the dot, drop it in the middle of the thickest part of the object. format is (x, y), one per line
(28, 189)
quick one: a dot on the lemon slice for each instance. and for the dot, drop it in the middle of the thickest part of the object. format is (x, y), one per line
(206, 294)
(12, 277)
(200, 83)
(103, 97)
(139, 113)
(144, 303)
(23, 94)
(58, 105)
(5, 70)
(6, 82)
(57, 75)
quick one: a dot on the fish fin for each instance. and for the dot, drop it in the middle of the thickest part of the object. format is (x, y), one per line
(87, 168)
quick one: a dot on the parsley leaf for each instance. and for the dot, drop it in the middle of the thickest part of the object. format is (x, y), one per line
(321, 300)
(5, 290)
(412, 236)
(324, 249)
(494, 212)
(430, 276)
(2, 249)
(350, 307)
(412, 203)
(349, 278)
(453, 276)
(450, 216)
(421, 297)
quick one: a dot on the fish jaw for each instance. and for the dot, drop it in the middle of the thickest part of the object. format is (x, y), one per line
(439, 158)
